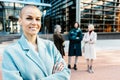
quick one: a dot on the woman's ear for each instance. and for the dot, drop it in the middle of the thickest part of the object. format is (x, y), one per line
(20, 21)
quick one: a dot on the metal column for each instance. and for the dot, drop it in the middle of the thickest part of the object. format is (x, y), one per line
(4, 20)
(78, 18)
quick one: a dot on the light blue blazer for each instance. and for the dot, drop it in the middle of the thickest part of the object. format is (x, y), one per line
(20, 61)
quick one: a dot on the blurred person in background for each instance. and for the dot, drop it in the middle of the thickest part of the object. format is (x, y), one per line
(59, 40)
(75, 38)
(89, 40)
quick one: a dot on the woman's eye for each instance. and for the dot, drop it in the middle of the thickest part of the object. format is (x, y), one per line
(29, 18)
(37, 19)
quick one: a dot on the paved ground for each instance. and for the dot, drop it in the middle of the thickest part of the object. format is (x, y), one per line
(106, 66)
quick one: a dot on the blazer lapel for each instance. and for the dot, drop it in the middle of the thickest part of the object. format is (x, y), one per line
(42, 51)
(41, 48)
(91, 36)
(33, 55)
(35, 58)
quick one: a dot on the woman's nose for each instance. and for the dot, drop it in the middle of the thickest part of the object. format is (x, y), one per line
(34, 21)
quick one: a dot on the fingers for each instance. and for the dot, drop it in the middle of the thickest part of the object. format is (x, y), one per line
(58, 67)
(54, 67)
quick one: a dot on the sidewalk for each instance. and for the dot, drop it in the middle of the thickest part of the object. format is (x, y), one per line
(106, 66)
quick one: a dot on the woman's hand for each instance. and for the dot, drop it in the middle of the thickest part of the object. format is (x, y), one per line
(58, 67)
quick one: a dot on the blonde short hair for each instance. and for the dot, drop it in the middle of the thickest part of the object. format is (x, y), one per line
(91, 27)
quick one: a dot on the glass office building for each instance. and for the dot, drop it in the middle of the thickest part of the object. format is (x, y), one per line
(62, 12)
(104, 14)
(9, 13)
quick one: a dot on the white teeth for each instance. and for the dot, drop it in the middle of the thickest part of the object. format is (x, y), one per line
(32, 28)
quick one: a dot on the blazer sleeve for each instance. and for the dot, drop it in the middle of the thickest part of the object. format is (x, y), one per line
(9, 70)
(58, 38)
(75, 35)
(70, 35)
(63, 75)
(94, 39)
(85, 38)
(80, 36)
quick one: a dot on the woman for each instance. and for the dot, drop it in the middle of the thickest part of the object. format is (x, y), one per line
(58, 39)
(75, 38)
(32, 58)
(89, 40)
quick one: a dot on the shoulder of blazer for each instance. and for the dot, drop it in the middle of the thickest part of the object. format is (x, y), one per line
(44, 42)
(94, 33)
(11, 48)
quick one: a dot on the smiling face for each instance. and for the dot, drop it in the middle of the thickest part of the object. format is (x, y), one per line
(30, 20)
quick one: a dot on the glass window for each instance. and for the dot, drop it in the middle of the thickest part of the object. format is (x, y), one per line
(100, 13)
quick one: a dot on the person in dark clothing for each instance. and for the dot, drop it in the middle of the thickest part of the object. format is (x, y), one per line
(75, 38)
(58, 39)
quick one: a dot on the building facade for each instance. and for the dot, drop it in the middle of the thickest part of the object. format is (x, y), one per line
(62, 12)
(104, 14)
(9, 13)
